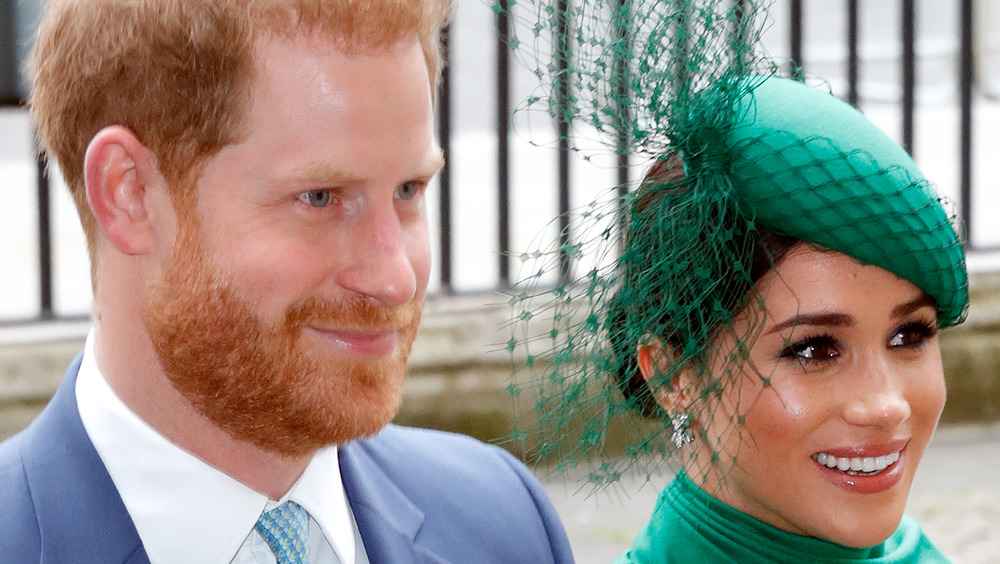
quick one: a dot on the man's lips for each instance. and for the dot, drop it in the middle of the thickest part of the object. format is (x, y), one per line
(360, 342)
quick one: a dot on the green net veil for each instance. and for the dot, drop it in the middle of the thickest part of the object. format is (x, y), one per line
(741, 161)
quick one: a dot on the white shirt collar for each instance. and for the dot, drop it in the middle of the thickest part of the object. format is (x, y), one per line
(171, 494)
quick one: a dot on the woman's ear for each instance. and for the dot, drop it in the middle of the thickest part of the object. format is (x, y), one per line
(119, 173)
(649, 355)
(654, 358)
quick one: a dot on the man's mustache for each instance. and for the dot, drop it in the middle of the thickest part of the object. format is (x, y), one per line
(353, 313)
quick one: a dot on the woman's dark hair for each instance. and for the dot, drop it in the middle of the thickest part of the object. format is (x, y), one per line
(760, 250)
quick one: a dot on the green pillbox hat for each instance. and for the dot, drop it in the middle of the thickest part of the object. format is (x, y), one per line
(811, 166)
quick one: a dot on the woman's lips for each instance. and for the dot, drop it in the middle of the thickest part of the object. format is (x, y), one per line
(863, 468)
(866, 464)
(361, 343)
(880, 449)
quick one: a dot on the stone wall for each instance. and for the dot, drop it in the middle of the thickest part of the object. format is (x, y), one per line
(459, 368)
(971, 354)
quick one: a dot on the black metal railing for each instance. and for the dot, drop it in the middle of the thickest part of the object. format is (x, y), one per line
(9, 96)
(965, 80)
(908, 81)
(444, 177)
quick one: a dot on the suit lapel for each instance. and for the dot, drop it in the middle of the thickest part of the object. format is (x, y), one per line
(82, 518)
(80, 514)
(387, 519)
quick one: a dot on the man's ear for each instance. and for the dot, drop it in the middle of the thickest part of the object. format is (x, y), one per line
(654, 358)
(120, 178)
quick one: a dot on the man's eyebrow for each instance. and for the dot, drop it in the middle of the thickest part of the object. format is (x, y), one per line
(315, 171)
(322, 172)
(826, 319)
(435, 163)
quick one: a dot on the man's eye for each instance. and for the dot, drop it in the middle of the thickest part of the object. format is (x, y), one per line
(317, 198)
(407, 191)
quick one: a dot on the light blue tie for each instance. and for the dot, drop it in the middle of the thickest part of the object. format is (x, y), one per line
(286, 530)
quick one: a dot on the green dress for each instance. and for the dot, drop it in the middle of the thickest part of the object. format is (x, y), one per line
(690, 526)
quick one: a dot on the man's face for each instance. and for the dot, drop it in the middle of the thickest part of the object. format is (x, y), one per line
(287, 310)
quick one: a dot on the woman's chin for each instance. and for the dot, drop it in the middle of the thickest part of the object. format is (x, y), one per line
(863, 532)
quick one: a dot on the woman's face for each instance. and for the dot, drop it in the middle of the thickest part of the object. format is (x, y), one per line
(842, 391)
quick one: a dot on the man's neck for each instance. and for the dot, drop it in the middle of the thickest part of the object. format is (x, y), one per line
(130, 366)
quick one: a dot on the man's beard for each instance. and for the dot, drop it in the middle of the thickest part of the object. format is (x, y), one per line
(253, 378)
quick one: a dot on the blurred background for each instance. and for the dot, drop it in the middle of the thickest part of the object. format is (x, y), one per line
(926, 71)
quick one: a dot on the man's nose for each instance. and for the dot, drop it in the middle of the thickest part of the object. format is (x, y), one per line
(380, 266)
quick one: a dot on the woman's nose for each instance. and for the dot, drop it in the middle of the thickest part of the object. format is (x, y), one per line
(879, 396)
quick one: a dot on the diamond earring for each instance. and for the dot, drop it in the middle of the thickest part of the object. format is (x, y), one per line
(682, 434)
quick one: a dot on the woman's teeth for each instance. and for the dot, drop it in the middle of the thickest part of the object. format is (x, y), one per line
(864, 466)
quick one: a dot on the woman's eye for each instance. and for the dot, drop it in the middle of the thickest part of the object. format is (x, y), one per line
(407, 191)
(316, 198)
(913, 335)
(813, 349)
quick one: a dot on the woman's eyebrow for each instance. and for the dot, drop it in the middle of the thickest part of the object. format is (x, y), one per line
(920, 302)
(827, 319)
(831, 319)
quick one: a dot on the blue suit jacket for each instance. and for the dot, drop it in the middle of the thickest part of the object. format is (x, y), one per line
(417, 495)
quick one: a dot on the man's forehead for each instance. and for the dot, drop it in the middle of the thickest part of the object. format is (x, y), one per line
(333, 40)
(318, 113)
(321, 46)
(324, 171)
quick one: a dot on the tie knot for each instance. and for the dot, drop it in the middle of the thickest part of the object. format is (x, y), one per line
(286, 530)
